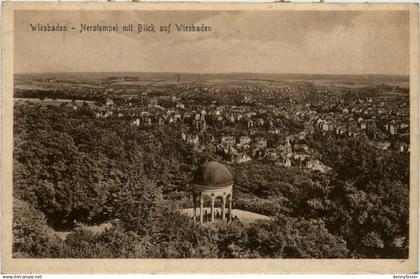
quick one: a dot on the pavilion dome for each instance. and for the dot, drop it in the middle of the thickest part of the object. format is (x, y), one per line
(212, 176)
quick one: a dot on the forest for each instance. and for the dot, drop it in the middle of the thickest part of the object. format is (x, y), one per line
(71, 168)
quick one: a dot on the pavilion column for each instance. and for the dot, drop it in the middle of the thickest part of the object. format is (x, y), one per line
(201, 208)
(230, 207)
(195, 207)
(212, 209)
(223, 208)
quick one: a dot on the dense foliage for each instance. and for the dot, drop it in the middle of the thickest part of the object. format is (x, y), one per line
(72, 168)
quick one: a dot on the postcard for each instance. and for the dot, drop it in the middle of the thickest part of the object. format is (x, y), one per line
(209, 138)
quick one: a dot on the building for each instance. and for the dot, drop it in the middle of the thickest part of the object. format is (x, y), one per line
(244, 142)
(392, 129)
(109, 102)
(212, 180)
(228, 140)
(260, 143)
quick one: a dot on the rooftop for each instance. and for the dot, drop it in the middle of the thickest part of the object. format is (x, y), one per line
(212, 175)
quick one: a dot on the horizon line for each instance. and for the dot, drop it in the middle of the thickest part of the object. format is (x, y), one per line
(214, 73)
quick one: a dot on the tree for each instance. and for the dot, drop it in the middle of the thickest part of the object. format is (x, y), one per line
(31, 235)
(138, 205)
(294, 238)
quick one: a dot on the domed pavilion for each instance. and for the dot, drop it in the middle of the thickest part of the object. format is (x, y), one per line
(212, 180)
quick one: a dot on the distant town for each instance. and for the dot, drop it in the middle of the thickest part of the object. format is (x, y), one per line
(239, 123)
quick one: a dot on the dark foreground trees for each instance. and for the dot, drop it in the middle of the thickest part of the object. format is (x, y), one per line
(172, 235)
(294, 238)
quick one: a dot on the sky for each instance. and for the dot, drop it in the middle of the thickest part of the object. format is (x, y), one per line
(312, 42)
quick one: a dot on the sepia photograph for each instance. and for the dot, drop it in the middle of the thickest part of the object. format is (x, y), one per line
(227, 133)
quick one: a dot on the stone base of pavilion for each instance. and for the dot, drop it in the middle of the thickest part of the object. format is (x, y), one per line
(245, 217)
